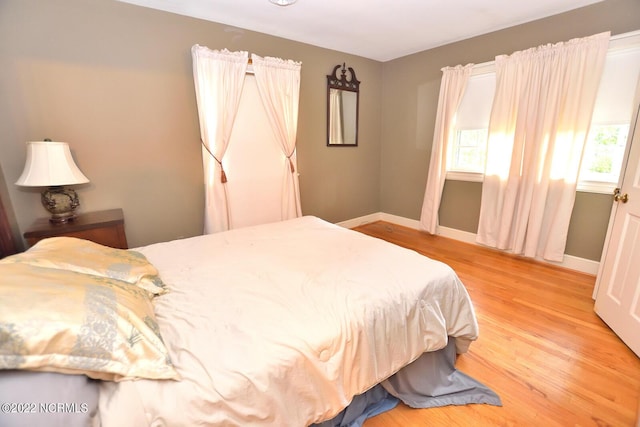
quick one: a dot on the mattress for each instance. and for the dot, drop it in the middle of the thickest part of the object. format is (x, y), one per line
(284, 323)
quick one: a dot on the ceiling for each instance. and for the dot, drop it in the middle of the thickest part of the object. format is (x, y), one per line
(375, 29)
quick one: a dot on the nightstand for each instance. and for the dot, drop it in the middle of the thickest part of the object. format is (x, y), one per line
(103, 227)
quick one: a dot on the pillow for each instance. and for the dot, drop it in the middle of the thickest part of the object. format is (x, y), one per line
(84, 256)
(67, 322)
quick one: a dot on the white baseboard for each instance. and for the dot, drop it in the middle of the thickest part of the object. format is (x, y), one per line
(571, 262)
(361, 220)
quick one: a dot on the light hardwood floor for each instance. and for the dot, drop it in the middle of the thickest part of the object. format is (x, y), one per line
(541, 346)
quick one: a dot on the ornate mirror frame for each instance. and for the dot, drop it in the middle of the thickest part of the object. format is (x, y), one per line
(343, 99)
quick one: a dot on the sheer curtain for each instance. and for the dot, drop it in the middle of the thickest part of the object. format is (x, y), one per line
(218, 76)
(454, 81)
(279, 85)
(539, 123)
(336, 134)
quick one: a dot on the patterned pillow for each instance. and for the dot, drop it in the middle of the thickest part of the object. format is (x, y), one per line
(62, 321)
(84, 256)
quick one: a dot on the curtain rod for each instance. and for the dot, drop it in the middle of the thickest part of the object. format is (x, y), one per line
(618, 41)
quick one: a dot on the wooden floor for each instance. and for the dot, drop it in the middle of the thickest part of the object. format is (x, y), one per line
(541, 347)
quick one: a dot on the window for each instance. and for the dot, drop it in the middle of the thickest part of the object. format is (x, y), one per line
(469, 150)
(612, 116)
(607, 139)
(603, 155)
(254, 163)
(466, 156)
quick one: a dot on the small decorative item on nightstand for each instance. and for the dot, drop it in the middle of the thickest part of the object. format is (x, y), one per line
(49, 164)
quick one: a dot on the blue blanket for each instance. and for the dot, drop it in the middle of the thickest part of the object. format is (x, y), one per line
(430, 381)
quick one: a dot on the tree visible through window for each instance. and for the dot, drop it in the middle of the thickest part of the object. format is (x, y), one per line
(469, 151)
(604, 152)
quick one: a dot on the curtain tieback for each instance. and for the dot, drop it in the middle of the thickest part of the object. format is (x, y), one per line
(291, 167)
(223, 176)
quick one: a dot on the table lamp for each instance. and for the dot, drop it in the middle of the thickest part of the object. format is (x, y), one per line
(49, 164)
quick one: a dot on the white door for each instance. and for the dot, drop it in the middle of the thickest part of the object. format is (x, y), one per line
(618, 291)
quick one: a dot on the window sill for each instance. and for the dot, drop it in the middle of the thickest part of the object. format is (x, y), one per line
(465, 176)
(596, 187)
(583, 187)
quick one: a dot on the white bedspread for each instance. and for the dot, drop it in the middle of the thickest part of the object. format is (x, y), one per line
(282, 324)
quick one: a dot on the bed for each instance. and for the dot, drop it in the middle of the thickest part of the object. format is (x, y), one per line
(293, 323)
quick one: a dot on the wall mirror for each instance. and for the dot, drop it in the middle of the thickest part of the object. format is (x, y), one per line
(343, 95)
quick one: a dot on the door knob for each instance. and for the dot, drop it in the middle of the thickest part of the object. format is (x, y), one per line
(618, 197)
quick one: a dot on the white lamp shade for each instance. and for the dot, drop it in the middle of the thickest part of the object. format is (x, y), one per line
(50, 164)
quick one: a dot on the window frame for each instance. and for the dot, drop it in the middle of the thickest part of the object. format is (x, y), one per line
(618, 42)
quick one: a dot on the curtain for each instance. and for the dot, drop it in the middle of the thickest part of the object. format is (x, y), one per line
(218, 77)
(279, 85)
(336, 134)
(538, 128)
(454, 81)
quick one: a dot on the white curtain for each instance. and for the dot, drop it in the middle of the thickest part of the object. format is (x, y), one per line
(279, 85)
(539, 122)
(218, 78)
(336, 133)
(454, 81)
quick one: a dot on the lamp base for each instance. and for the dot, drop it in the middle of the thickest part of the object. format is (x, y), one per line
(61, 202)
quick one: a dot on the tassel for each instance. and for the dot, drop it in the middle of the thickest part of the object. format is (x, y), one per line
(291, 165)
(223, 176)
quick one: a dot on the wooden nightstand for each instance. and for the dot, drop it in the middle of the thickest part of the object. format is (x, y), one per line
(103, 227)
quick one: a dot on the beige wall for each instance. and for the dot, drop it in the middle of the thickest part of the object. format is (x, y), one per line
(410, 99)
(115, 81)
